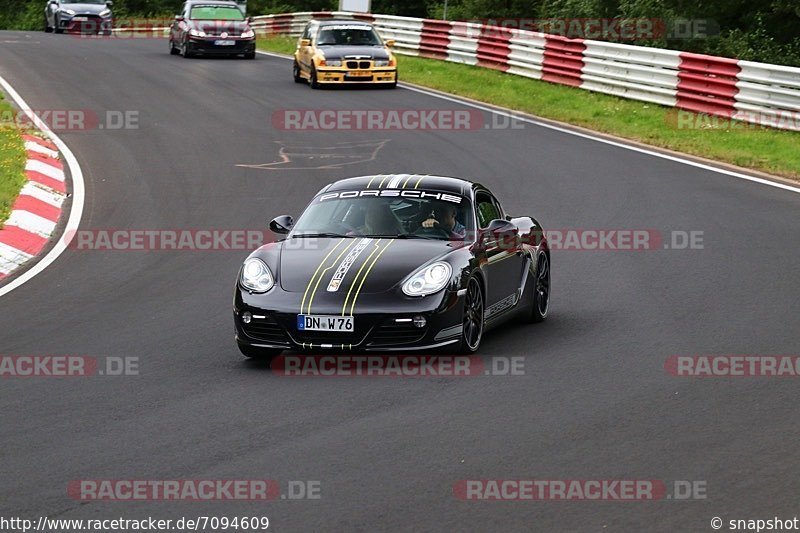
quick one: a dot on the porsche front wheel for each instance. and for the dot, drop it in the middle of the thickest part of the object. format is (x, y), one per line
(473, 321)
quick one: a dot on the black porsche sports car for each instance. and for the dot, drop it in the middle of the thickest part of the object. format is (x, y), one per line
(392, 263)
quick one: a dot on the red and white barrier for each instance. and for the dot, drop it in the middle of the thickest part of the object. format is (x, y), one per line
(753, 92)
(36, 211)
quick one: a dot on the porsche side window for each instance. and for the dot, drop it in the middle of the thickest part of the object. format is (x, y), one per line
(486, 208)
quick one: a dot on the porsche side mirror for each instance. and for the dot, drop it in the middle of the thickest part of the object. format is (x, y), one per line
(389, 43)
(305, 42)
(282, 224)
(501, 233)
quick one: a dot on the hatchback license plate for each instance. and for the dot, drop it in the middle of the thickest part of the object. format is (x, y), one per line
(224, 43)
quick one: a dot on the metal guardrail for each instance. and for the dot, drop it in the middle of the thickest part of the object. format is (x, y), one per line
(743, 90)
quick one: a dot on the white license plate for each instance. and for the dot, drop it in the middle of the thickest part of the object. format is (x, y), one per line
(79, 19)
(224, 43)
(342, 324)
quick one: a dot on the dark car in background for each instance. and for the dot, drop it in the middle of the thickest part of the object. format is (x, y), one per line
(86, 16)
(212, 29)
(387, 263)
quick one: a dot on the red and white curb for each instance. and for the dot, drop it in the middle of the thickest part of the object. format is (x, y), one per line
(35, 213)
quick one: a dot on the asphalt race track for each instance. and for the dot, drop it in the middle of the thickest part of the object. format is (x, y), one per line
(594, 402)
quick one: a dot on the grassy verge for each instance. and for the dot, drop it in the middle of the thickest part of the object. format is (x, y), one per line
(12, 163)
(763, 149)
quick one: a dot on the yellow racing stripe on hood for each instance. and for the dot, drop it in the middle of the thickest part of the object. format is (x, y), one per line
(358, 274)
(322, 275)
(311, 281)
(366, 275)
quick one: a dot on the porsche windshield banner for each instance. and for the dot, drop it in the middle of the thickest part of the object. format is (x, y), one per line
(404, 193)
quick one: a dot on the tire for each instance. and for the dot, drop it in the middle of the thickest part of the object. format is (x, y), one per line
(473, 321)
(172, 50)
(540, 302)
(296, 73)
(57, 27)
(261, 354)
(47, 27)
(312, 80)
(185, 51)
(250, 55)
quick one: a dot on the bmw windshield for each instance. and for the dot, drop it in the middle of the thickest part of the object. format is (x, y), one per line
(387, 213)
(348, 35)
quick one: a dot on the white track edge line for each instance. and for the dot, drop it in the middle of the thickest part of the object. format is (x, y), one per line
(78, 195)
(515, 116)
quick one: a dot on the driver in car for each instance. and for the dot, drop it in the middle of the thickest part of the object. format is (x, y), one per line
(444, 218)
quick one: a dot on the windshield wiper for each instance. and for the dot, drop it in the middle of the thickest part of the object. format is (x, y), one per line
(320, 235)
(403, 236)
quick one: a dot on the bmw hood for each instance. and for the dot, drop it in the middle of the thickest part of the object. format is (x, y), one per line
(366, 52)
(336, 265)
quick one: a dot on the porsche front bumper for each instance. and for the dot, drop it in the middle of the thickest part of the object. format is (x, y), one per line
(380, 324)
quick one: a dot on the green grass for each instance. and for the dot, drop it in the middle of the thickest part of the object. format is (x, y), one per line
(768, 150)
(12, 162)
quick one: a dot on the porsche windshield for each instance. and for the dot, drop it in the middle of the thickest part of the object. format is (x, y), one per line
(349, 35)
(394, 214)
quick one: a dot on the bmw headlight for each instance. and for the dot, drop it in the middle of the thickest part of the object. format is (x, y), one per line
(333, 62)
(256, 276)
(105, 13)
(197, 33)
(248, 34)
(68, 12)
(382, 63)
(428, 280)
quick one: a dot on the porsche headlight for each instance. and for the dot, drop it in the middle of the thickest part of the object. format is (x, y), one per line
(248, 34)
(382, 63)
(104, 13)
(197, 33)
(68, 12)
(256, 276)
(428, 280)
